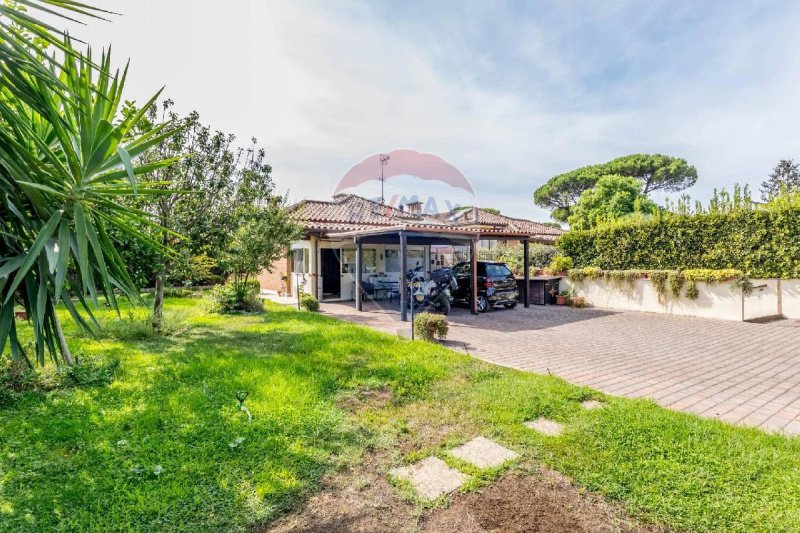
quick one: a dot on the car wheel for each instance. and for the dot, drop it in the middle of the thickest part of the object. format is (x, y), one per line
(482, 304)
(510, 305)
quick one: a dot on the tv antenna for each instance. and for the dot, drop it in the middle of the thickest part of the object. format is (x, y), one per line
(384, 159)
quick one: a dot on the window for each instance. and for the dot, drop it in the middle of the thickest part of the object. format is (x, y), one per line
(496, 271)
(392, 261)
(415, 256)
(412, 257)
(301, 257)
(348, 261)
(370, 260)
(462, 270)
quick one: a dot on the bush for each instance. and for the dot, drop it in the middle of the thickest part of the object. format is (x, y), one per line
(236, 298)
(762, 241)
(561, 263)
(17, 377)
(182, 292)
(430, 325)
(578, 301)
(308, 302)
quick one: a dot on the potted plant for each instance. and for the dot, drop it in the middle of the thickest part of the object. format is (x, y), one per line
(562, 298)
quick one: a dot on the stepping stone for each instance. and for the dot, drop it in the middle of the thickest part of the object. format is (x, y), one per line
(483, 453)
(592, 404)
(430, 477)
(546, 427)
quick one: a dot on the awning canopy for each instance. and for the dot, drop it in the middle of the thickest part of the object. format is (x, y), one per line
(407, 235)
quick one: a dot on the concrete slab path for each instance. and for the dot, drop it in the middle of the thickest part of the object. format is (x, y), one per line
(481, 452)
(430, 477)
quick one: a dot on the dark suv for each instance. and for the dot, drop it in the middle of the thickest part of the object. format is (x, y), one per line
(496, 285)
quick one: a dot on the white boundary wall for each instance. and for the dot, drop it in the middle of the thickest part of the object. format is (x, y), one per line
(770, 298)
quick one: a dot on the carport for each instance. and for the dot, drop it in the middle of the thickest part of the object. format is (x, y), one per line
(432, 235)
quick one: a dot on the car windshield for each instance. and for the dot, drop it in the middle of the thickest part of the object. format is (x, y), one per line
(496, 271)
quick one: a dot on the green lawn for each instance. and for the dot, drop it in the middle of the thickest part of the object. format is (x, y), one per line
(83, 459)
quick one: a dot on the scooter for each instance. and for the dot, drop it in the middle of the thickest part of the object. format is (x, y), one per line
(433, 294)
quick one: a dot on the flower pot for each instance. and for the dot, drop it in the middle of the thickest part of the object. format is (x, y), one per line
(561, 300)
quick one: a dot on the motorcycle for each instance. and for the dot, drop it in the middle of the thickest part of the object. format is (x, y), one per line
(433, 294)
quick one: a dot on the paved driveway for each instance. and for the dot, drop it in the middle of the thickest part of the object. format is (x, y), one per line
(742, 373)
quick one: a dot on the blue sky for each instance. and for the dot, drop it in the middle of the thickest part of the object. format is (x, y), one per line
(509, 92)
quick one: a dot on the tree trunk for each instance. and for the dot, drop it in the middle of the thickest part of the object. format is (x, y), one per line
(62, 341)
(158, 303)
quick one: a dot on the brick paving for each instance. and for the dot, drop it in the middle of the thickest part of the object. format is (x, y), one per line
(739, 372)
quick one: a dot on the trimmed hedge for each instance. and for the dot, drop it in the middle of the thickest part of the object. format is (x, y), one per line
(762, 242)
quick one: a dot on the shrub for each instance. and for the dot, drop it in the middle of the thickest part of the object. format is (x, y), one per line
(17, 377)
(561, 263)
(578, 301)
(580, 274)
(691, 290)
(181, 292)
(308, 302)
(675, 280)
(430, 325)
(711, 276)
(236, 298)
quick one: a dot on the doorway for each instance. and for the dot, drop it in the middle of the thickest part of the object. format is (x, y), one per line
(331, 277)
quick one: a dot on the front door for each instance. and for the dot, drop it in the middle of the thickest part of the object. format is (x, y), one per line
(331, 278)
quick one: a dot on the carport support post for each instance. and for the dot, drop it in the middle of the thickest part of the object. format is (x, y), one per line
(401, 285)
(473, 275)
(359, 295)
(527, 276)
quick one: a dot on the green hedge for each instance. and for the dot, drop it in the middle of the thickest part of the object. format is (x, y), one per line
(762, 242)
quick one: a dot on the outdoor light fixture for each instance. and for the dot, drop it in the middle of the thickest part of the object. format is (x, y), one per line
(418, 294)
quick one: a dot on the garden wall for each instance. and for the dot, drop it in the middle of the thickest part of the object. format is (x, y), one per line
(718, 300)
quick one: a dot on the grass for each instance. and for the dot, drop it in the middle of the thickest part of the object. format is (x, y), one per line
(157, 448)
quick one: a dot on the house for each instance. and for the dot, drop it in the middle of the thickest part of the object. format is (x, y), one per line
(323, 262)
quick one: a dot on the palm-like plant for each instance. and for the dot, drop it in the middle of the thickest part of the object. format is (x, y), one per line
(65, 161)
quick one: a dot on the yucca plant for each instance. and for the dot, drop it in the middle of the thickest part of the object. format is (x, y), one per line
(67, 157)
(24, 37)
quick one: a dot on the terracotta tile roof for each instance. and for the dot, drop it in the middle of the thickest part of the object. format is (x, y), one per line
(467, 217)
(348, 212)
(351, 209)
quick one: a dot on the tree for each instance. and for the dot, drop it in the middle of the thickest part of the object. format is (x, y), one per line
(63, 168)
(654, 171)
(657, 172)
(220, 179)
(562, 192)
(785, 177)
(613, 197)
(263, 236)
